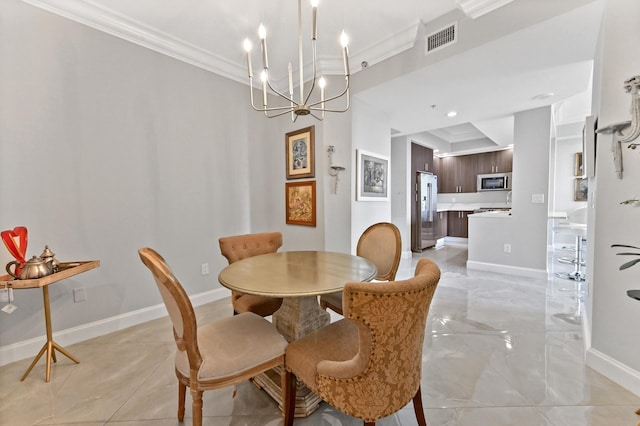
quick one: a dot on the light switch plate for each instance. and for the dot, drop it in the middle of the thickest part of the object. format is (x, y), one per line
(537, 198)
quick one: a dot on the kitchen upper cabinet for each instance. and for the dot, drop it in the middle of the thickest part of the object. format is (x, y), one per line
(421, 159)
(458, 223)
(495, 162)
(458, 174)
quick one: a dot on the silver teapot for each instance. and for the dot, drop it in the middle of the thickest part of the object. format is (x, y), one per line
(36, 267)
(49, 256)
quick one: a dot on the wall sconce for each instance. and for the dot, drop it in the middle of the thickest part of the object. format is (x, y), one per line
(632, 86)
(334, 171)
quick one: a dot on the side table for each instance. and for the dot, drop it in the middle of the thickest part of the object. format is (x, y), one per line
(67, 269)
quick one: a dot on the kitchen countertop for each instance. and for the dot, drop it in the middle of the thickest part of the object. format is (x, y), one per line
(443, 207)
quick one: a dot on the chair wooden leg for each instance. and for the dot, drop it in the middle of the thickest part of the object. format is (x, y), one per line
(182, 391)
(369, 423)
(197, 407)
(417, 407)
(289, 397)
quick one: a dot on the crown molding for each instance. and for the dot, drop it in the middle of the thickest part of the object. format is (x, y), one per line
(476, 8)
(108, 21)
(96, 16)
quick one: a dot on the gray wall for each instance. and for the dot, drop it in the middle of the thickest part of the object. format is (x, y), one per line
(108, 147)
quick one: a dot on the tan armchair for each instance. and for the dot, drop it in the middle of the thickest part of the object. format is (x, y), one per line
(217, 354)
(381, 244)
(368, 365)
(240, 247)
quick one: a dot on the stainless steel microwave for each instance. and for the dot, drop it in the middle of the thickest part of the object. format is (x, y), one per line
(494, 182)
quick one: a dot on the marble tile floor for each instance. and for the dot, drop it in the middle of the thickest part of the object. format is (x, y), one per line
(500, 350)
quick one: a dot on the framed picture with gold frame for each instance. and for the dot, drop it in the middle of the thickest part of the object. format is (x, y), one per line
(299, 146)
(578, 167)
(300, 203)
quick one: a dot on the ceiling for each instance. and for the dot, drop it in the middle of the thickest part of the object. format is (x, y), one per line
(485, 83)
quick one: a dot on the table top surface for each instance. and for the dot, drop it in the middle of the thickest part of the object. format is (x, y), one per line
(296, 273)
(67, 269)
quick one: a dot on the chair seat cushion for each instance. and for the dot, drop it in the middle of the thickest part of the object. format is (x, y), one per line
(336, 342)
(233, 345)
(261, 305)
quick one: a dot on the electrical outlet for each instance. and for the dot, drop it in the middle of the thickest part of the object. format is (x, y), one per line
(204, 269)
(507, 248)
(79, 295)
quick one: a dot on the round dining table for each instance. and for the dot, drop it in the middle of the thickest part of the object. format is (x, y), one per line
(298, 277)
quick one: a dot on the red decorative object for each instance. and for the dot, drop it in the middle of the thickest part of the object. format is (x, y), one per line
(18, 250)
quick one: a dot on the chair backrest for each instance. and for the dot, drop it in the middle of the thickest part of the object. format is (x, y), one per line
(239, 247)
(178, 305)
(385, 374)
(381, 244)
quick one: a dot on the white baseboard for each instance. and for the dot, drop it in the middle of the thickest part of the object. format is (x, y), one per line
(28, 348)
(407, 254)
(620, 373)
(506, 269)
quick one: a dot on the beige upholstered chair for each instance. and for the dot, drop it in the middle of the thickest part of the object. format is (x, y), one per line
(214, 355)
(239, 247)
(368, 365)
(381, 244)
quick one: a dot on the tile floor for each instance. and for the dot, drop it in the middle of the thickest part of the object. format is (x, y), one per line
(500, 350)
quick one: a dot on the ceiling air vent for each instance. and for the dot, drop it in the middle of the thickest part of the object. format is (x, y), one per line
(442, 38)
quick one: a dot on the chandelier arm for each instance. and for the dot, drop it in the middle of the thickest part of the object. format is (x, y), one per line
(313, 82)
(282, 95)
(316, 117)
(345, 91)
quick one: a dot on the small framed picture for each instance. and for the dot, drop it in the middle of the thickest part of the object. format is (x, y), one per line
(581, 189)
(300, 205)
(578, 167)
(299, 146)
(372, 176)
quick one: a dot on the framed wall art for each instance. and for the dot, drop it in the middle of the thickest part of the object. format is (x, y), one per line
(578, 167)
(299, 146)
(581, 191)
(300, 204)
(372, 177)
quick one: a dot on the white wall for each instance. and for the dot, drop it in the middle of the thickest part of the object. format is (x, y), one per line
(372, 133)
(614, 343)
(401, 190)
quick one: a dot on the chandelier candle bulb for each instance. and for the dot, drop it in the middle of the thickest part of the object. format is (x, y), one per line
(344, 41)
(314, 20)
(264, 88)
(262, 33)
(247, 48)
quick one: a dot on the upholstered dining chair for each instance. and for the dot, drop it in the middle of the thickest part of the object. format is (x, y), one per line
(367, 365)
(239, 247)
(217, 354)
(381, 244)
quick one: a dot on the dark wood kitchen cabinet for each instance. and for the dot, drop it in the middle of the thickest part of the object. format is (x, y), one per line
(441, 225)
(458, 174)
(495, 162)
(458, 223)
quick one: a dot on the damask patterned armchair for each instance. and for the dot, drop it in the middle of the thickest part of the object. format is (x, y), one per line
(368, 365)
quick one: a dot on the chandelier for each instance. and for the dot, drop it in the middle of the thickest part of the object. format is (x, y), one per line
(308, 103)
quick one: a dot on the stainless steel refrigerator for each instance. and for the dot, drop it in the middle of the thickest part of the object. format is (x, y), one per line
(426, 205)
